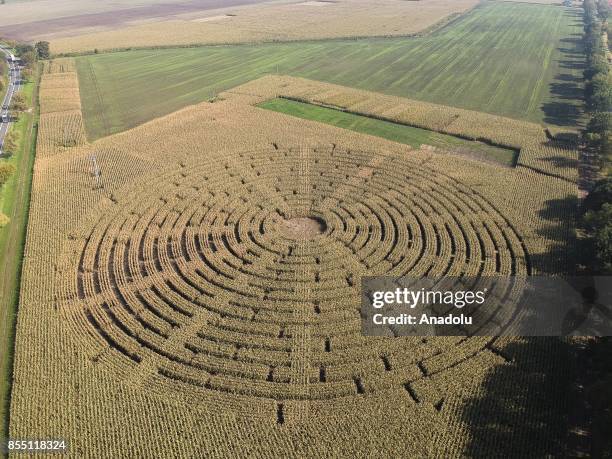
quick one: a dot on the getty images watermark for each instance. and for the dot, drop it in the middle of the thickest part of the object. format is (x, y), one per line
(487, 306)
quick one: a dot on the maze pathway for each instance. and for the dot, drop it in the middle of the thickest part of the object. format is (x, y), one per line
(241, 275)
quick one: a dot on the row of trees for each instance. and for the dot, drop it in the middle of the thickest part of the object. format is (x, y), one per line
(597, 217)
(597, 221)
(598, 86)
(3, 69)
(6, 170)
(9, 146)
(19, 104)
(598, 95)
(29, 55)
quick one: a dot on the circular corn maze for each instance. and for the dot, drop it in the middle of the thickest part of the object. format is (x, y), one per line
(241, 275)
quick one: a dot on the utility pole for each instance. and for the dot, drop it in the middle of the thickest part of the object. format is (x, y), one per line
(96, 171)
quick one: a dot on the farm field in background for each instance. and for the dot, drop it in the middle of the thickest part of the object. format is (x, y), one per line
(413, 136)
(517, 60)
(279, 20)
(44, 17)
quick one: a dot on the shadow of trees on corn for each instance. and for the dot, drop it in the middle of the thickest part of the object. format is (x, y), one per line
(561, 255)
(528, 406)
(524, 407)
(563, 162)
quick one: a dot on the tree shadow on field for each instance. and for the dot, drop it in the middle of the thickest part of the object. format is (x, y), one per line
(562, 161)
(574, 39)
(572, 65)
(570, 53)
(569, 78)
(558, 218)
(565, 105)
(565, 108)
(562, 113)
(524, 407)
(565, 140)
(528, 406)
(566, 90)
(577, 14)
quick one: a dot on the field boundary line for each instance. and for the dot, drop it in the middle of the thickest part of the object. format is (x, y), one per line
(548, 174)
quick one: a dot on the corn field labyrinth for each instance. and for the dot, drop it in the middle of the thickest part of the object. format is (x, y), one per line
(242, 277)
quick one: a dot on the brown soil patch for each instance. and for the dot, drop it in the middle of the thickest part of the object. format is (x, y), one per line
(110, 20)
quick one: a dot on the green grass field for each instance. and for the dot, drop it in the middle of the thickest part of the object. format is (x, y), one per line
(413, 136)
(518, 60)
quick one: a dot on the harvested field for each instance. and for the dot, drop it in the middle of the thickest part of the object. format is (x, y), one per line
(542, 2)
(25, 11)
(276, 21)
(213, 18)
(509, 59)
(316, 3)
(204, 291)
(43, 19)
(61, 121)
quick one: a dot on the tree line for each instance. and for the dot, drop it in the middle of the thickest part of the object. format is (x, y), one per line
(28, 54)
(597, 215)
(597, 211)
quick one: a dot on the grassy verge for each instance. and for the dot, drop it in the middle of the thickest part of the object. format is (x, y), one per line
(14, 202)
(413, 136)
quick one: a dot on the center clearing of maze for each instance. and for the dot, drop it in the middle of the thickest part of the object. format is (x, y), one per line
(204, 287)
(303, 227)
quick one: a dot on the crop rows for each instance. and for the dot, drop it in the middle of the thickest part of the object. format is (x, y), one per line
(61, 121)
(60, 65)
(519, 50)
(199, 282)
(297, 21)
(537, 151)
(210, 276)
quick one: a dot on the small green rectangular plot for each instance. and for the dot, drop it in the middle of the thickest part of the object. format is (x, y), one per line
(409, 135)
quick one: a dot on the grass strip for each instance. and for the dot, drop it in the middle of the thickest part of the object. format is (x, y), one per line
(408, 135)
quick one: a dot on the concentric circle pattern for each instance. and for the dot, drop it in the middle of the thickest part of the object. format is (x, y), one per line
(242, 275)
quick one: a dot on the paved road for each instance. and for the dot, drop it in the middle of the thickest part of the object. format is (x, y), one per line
(13, 87)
